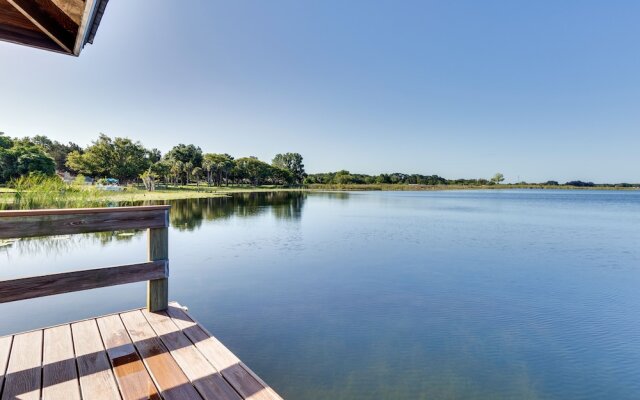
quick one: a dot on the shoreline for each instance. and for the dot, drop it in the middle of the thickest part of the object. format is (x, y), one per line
(419, 188)
(133, 195)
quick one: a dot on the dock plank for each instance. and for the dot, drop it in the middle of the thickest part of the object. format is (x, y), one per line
(60, 379)
(166, 373)
(23, 378)
(207, 380)
(135, 354)
(132, 376)
(96, 378)
(232, 369)
(5, 349)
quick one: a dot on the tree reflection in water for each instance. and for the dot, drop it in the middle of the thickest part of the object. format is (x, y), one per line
(185, 215)
(188, 214)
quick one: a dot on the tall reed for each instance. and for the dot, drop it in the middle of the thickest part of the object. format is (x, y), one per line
(38, 191)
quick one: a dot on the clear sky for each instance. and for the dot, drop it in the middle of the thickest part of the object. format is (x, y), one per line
(536, 90)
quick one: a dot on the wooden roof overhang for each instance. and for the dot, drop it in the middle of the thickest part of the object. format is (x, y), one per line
(63, 26)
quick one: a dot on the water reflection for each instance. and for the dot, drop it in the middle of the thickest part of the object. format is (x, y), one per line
(64, 243)
(188, 214)
(185, 215)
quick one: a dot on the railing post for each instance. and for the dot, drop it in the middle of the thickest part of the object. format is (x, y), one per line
(158, 289)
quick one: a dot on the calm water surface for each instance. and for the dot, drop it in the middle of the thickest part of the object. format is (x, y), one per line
(396, 295)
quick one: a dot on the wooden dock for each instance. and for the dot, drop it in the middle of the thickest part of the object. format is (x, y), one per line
(157, 352)
(129, 355)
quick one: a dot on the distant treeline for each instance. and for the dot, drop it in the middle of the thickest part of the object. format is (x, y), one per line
(347, 178)
(129, 161)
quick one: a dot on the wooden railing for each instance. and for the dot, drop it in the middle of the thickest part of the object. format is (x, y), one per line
(32, 223)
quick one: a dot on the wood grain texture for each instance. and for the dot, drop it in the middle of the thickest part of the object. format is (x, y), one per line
(131, 355)
(206, 379)
(243, 380)
(59, 375)
(132, 376)
(5, 349)
(73, 8)
(158, 289)
(31, 223)
(166, 373)
(47, 285)
(50, 19)
(23, 377)
(96, 378)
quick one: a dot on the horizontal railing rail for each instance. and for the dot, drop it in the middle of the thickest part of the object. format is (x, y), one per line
(33, 223)
(30, 223)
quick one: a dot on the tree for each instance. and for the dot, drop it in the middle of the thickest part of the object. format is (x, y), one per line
(190, 155)
(217, 167)
(197, 174)
(161, 169)
(281, 176)
(5, 141)
(22, 157)
(291, 162)
(119, 158)
(497, 178)
(56, 150)
(252, 170)
(149, 179)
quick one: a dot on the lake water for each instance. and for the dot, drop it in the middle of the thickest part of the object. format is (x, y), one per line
(390, 295)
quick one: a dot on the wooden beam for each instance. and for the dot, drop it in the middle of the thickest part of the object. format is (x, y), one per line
(30, 223)
(73, 8)
(37, 39)
(47, 285)
(51, 20)
(85, 26)
(158, 289)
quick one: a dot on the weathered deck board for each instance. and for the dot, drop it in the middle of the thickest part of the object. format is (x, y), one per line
(5, 349)
(133, 379)
(23, 379)
(232, 369)
(96, 378)
(59, 375)
(165, 371)
(200, 372)
(128, 355)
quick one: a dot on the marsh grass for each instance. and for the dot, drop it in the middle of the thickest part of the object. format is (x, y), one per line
(37, 191)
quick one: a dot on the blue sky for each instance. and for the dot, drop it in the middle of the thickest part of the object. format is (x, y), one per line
(536, 90)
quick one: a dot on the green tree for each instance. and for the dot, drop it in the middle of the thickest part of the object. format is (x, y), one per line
(119, 158)
(217, 167)
(56, 150)
(252, 170)
(291, 162)
(497, 178)
(23, 157)
(189, 156)
(5, 141)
